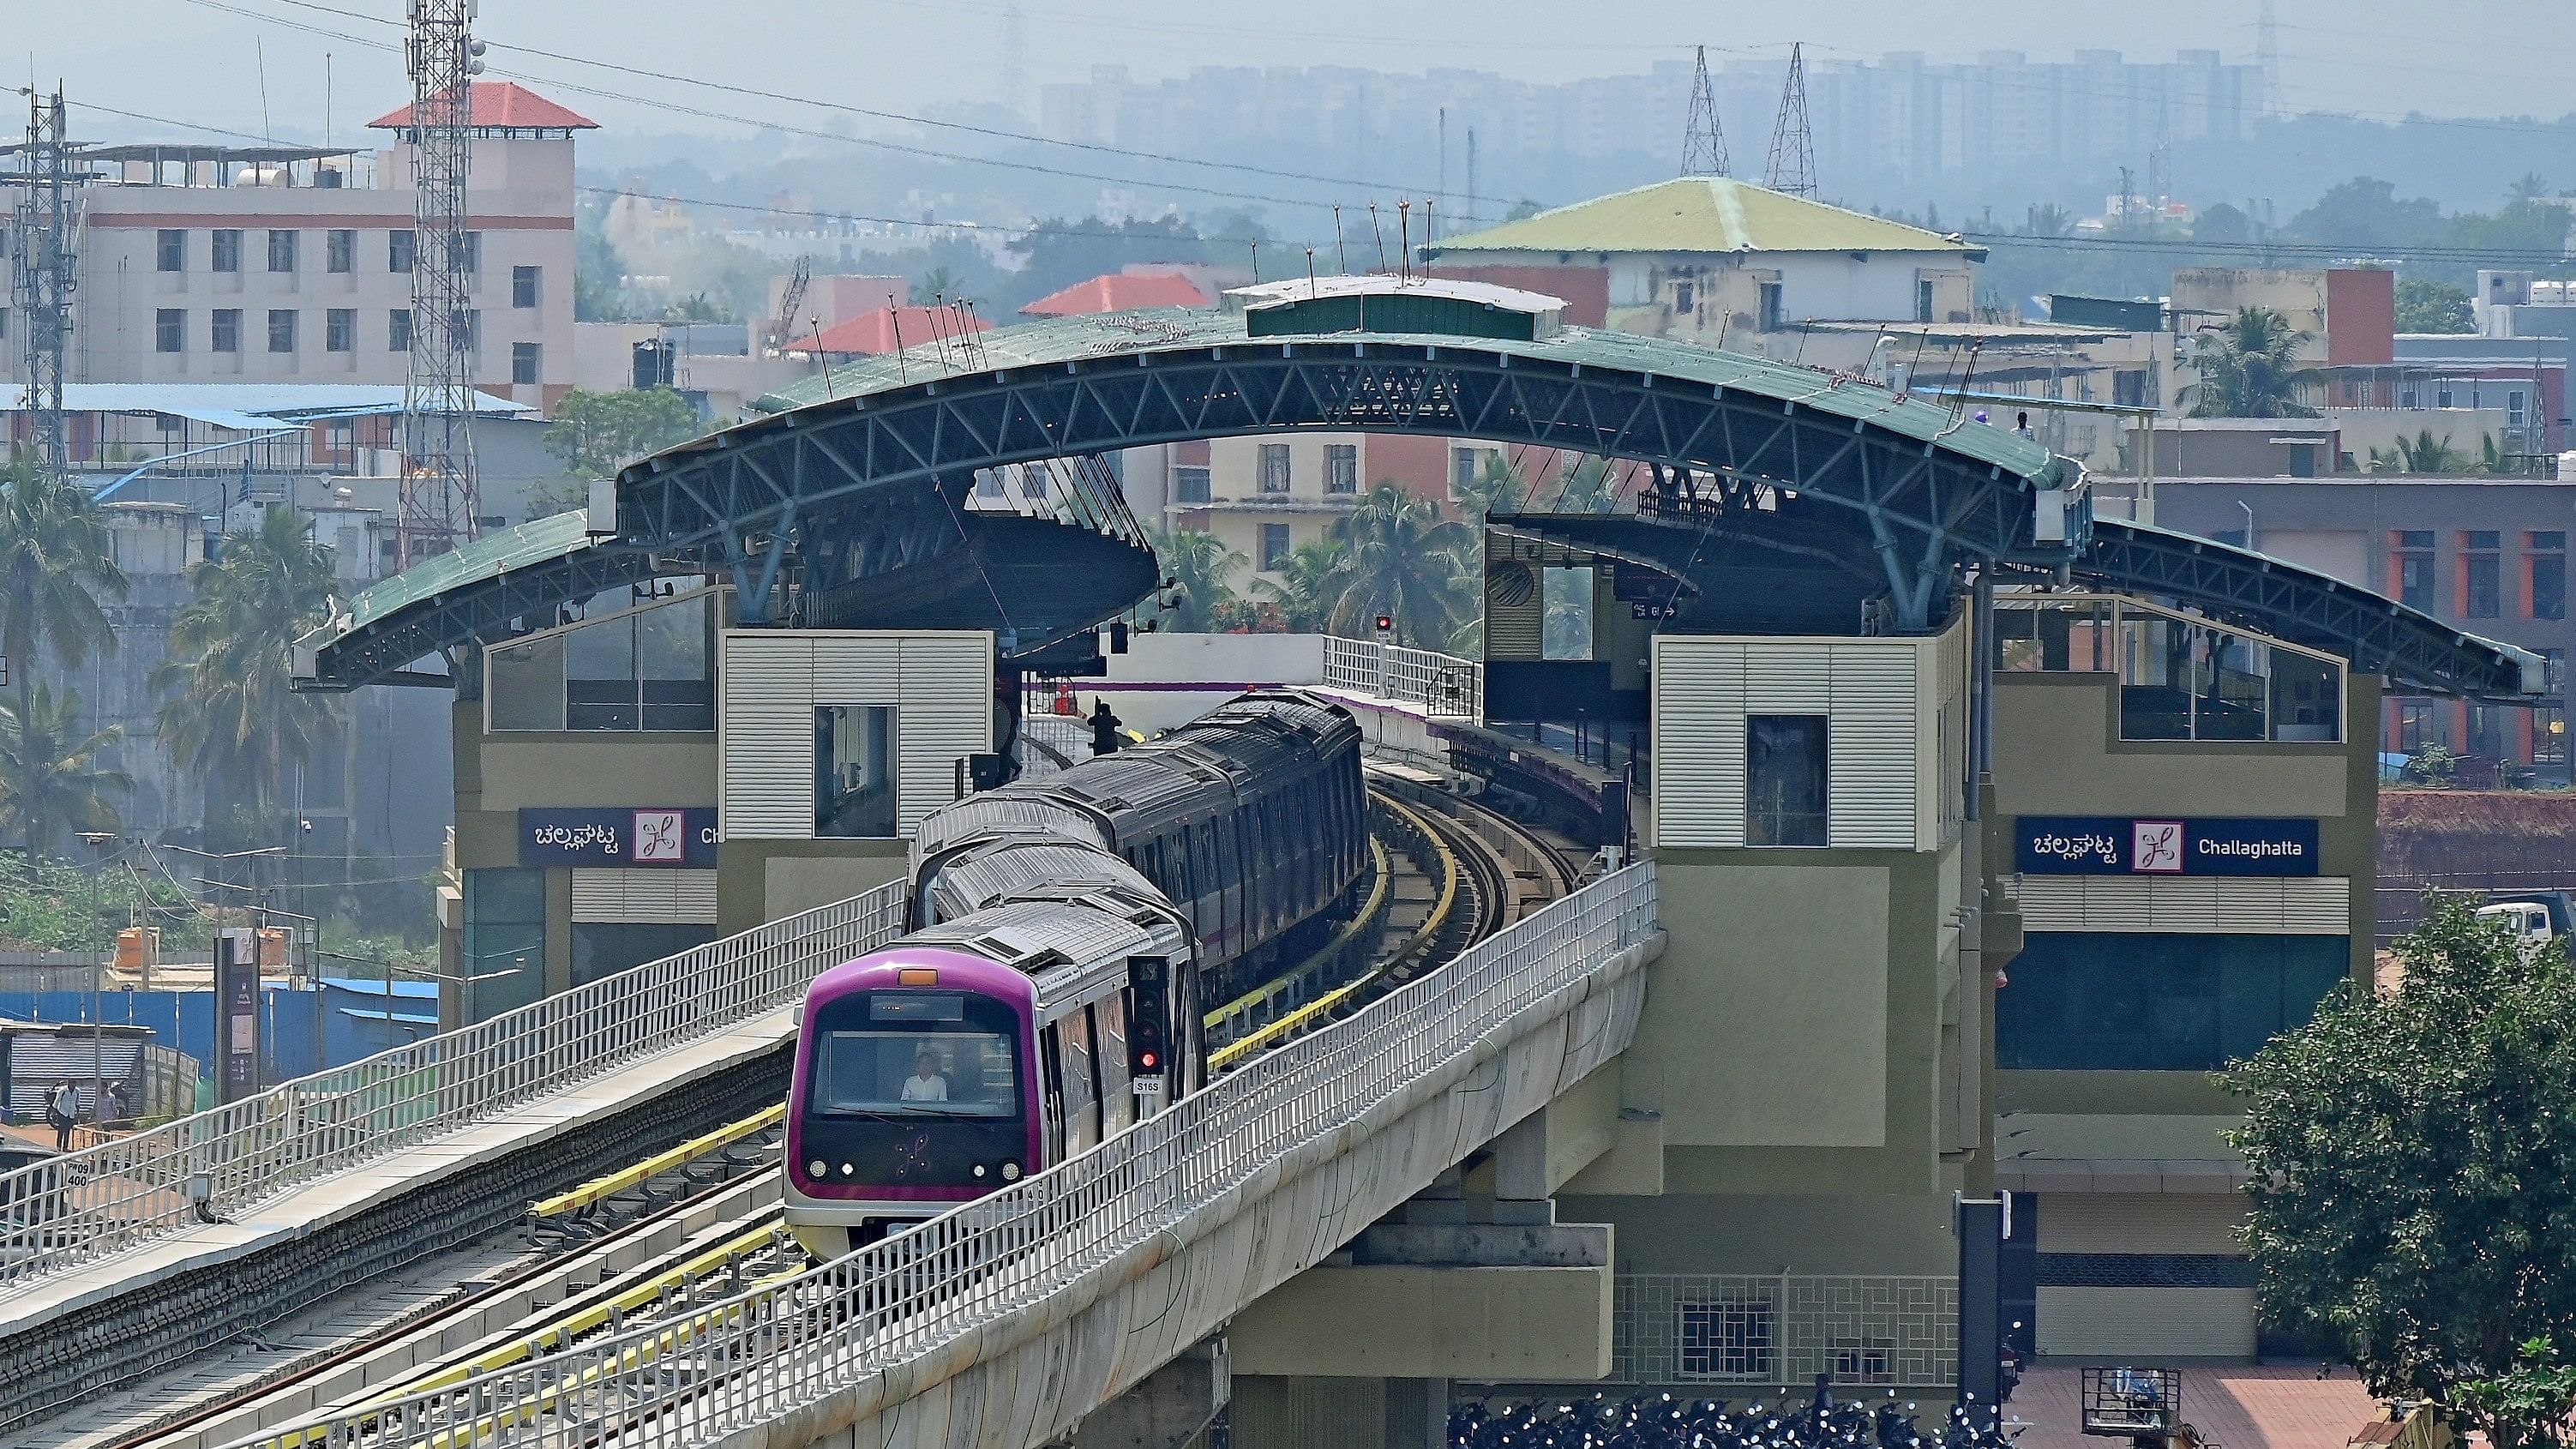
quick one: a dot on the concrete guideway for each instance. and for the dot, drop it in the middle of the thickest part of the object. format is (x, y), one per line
(1010, 1320)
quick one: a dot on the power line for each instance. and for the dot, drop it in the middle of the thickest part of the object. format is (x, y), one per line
(2358, 251)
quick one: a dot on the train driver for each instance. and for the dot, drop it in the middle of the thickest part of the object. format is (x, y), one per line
(926, 1084)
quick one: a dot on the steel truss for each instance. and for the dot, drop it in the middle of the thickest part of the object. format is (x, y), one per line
(731, 502)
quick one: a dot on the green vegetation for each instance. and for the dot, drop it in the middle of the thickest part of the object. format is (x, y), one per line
(1400, 557)
(55, 572)
(1199, 567)
(57, 773)
(2410, 1188)
(2427, 305)
(59, 906)
(595, 432)
(231, 716)
(2251, 369)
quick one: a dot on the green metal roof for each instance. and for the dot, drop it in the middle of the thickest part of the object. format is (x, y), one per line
(1056, 341)
(1702, 214)
(488, 557)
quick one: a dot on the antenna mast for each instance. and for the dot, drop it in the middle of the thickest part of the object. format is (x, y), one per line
(44, 277)
(1014, 68)
(1793, 146)
(2267, 53)
(2160, 160)
(439, 499)
(1703, 141)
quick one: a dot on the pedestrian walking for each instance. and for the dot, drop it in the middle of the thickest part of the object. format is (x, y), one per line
(62, 1108)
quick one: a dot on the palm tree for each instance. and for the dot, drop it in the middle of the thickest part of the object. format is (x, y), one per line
(55, 772)
(1198, 565)
(1588, 488)
(1497, 488)
(1405, 560)
(2422, 453)
(1312, 580)
(55, 569)
(233, 718)
(2251, 369)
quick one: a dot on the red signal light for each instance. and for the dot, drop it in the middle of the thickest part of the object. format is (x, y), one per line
(1386, 623)
(1149, 1060)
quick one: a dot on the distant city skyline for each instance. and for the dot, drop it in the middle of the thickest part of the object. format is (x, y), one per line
(187, 61)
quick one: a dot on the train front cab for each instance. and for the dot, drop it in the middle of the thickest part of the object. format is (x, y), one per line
(916, 1088)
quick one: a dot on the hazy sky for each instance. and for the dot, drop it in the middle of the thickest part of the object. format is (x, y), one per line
(201, 61)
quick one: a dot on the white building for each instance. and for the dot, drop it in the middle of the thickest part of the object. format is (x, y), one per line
(293, 264)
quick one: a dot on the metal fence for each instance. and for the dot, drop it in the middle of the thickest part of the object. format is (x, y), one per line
(1780, 1330)
(89, 1204)
(693, 1377)
(1445, 685)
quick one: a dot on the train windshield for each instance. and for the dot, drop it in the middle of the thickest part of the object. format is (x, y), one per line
(917, 1054)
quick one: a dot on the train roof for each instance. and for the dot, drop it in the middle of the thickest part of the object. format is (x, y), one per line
(1245, 742)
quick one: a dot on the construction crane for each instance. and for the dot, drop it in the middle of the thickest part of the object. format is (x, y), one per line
(792, 298)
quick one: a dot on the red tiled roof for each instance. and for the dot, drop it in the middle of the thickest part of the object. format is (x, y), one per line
(1116, 293)
(872, 333)
(502, 105)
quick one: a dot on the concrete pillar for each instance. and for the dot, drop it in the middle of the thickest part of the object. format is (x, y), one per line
(1417, 1413)
(1168, 1410)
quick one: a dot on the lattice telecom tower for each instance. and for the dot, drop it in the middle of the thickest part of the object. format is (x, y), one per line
(439, 495)
(1703, 142)
(42, 282)
(1793, 146)
(2267, 53)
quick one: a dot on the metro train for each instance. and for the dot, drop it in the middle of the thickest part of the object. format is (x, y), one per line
(1068, 936)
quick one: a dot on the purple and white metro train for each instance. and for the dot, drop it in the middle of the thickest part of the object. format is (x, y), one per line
(1069, 935)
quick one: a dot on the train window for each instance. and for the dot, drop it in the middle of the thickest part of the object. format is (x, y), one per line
(897, 1066)
(854, 772)
(1081, 1093)
(1109, 1039)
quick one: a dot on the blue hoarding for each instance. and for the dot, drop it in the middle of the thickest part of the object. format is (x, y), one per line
(2114, 845)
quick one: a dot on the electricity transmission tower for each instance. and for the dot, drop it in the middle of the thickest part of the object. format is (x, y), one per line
(1703, 142)
(1793, 146)
(439, 497)
(2267, 53)
(43, 279)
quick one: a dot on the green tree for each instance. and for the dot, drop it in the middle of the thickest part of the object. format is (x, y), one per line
(1404, 560)
(57, 772)
(2364, 213)
(2223, 225)
(55, 571)
(595, 432)
(1311, 582)
(231, 716)
(598, 272)
(2251, 369)
(1198, 565)
(2422, 453)
(2410, 1191)
(1568, 627)
(2425, 304)
(1498, 487)
(1057, 253)
(1589, 487)
(2048, 219)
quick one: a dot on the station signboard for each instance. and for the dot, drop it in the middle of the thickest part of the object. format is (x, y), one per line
(2116, 845)
(654, 836)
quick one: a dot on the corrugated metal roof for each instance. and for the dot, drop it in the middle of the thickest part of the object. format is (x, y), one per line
(1701, 214)
(266, 401)
(1059, 340)
(488, 557)
(1118, 292)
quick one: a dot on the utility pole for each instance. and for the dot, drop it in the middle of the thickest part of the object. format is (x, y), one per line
(439, 495)
(44, 277)
(1703, 140)
(1793, 147)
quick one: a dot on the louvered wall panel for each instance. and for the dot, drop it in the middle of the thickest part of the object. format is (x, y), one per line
(660, 896)
(940, 686)
(2190, 903)
(2126, 904)
(1698, 743)
(946, 715)
(2052, 903)
(2184, 905)
(766, 739)
(1876, 785)
(2316, 906)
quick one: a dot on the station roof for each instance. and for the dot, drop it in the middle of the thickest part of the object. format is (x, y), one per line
(889, 329)
(1056, 341)
(1702, 214)
(501, 106)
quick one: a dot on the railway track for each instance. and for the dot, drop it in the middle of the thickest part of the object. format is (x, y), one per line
(597, 1241)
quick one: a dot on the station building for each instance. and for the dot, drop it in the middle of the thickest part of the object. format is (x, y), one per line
(1985, 828)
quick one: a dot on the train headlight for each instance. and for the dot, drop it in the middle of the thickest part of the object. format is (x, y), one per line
(818, 1168)
(849, 1169)
(979, 1169)
(1010, 1172)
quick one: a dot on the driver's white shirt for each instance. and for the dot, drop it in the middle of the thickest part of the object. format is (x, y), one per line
(925, 1089)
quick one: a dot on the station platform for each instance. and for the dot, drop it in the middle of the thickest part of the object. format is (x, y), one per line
(537, 1147)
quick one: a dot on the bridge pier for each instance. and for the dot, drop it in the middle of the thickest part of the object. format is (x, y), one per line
(1169, 1410)
(1272, 1412)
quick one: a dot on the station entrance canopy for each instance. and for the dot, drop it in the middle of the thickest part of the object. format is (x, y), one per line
(850, 501)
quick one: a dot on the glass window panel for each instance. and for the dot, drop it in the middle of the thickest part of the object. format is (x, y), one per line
(854, 772)
(2155, 678)
(604, 948)
(525, 685)
(1785, 779)
(916, 1071)
(2106, 1001)
(2307, 698)
(504, 940)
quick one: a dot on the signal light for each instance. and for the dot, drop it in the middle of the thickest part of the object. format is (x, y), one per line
(1148, 1060)
(1149, 1018)
(1386, 623)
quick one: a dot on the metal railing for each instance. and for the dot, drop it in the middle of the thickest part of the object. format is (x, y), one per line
(90, 1204)
(692, 1378)
(1780, 1330)
(1445, 685)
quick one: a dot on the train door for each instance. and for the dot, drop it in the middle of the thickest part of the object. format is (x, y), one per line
(1109, 1040)
(1081, 1088)
(1051, 1058)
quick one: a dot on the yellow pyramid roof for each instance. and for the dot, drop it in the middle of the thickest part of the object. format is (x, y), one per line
(1702, 214)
